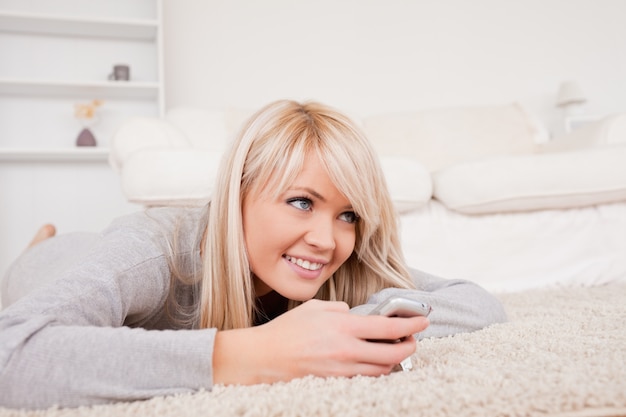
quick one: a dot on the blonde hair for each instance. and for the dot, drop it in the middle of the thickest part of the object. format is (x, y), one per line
(268, 154)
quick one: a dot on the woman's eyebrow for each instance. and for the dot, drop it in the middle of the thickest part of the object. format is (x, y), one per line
(310, 191)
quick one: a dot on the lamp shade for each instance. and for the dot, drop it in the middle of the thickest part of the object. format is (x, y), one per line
(570, 93)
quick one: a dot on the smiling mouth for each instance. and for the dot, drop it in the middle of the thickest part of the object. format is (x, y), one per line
(311, 266)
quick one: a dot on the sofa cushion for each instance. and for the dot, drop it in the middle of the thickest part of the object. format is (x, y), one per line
(443, 137)
(531, 182)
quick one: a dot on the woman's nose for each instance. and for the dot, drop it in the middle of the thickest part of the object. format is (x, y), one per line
(321, 234)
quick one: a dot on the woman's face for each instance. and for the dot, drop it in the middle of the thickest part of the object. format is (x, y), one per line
(297, 241)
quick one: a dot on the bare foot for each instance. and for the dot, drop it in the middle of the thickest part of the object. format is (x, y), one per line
(46, 231)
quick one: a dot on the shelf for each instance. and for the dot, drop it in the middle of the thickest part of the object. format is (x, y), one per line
(85, 154)
(101, 89)
(139, 29)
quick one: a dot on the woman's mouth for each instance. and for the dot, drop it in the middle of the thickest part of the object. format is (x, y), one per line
(303, 263)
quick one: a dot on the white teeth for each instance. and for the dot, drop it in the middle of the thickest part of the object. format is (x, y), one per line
(311, 266)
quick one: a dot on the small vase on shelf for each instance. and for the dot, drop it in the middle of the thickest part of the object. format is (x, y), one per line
(86, 138)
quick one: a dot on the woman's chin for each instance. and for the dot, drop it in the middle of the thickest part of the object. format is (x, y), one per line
(301, 296)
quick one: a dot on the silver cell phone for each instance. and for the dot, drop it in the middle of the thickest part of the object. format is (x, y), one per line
(401, 307)
(396, 306)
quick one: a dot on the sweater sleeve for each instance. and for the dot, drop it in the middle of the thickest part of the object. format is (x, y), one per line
(76, 340)
(458, 306)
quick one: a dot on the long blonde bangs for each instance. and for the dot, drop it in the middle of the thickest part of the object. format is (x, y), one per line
(268, 154)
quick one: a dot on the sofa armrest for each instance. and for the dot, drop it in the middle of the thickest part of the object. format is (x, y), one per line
(170, 177)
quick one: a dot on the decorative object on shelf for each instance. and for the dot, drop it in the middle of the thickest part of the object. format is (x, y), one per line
(86, 113)
(85, 138)
(121, 72)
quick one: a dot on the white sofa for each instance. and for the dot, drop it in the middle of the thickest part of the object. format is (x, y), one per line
(482, 191)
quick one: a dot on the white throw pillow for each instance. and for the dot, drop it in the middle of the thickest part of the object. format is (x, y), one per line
(443, 137)
(532, 182)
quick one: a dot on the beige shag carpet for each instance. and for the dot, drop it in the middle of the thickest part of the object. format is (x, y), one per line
(563, 353)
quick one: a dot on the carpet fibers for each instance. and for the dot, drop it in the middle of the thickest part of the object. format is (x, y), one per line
(562, 353)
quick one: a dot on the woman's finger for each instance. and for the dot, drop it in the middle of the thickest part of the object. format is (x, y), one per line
(383, 353)
(387, 328)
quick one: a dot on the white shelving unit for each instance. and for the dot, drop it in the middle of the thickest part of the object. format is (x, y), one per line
(58, 53)
(55, 54)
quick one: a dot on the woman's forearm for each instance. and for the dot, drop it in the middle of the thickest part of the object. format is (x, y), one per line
(83, 365)
(458, 306)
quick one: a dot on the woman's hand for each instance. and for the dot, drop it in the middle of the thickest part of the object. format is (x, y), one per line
(317, 338)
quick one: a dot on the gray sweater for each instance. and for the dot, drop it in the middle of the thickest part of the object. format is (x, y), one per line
(84, 315)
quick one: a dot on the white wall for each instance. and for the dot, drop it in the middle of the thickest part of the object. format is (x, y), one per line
(369, 56)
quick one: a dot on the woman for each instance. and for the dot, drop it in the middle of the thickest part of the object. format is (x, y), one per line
(258, 285)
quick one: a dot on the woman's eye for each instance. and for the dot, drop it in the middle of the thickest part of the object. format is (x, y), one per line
(301, 203)
(349, 217)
